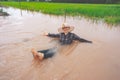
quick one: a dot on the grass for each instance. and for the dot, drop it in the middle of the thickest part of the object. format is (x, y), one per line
(109, 12)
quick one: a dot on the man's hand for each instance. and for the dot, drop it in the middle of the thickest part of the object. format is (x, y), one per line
(45, 33)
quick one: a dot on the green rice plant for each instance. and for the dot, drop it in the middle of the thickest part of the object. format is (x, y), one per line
(109, 12)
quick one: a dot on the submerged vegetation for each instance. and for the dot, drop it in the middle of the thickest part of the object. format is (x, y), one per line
(109, 12)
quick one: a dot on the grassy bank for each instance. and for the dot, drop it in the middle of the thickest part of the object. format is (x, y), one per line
(109, 12)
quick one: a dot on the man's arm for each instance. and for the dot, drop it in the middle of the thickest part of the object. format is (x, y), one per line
(53, 35)
(81, 39)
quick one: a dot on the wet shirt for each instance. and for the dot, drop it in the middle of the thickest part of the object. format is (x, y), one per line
(68, 38)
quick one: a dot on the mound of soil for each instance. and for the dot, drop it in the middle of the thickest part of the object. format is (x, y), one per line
(3, 13)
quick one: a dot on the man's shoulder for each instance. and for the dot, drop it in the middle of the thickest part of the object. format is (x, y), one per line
(71, 33)
(61, 33)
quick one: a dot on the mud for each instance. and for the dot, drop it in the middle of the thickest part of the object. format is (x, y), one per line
(3, 13)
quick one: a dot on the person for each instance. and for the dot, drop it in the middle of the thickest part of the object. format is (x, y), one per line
(65, 36)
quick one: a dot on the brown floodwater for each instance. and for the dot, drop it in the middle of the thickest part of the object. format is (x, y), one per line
(23, 30)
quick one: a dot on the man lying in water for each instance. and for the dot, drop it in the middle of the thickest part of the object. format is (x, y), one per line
(65, 38)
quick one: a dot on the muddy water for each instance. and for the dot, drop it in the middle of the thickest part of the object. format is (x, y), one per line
(79, 61)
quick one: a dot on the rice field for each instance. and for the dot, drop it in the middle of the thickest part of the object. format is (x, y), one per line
(110, 13)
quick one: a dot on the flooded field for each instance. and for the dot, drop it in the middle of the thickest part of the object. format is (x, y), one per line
(22, 30)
